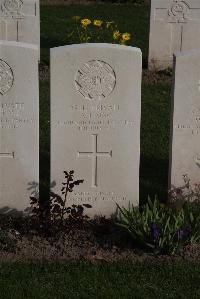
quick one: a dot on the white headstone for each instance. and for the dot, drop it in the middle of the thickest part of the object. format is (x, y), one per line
(19, 127)
(20, 21)
(95, 115)
(174, 26)
(185, 122)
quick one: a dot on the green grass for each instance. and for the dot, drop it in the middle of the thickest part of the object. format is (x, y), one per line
(100, 280)
(56, 24)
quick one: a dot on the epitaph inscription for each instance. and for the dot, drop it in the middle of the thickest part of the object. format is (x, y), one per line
(95, 80)
(6, 77)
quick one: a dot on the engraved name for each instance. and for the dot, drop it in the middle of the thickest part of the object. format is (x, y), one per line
(194, 125)
(99, 107)
(11, 116)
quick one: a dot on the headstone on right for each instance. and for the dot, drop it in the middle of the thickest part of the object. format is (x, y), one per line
(20, 21)
(185, 121)
(95, 123)
(174, 26)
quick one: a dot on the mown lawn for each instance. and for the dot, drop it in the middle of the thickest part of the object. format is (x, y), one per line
(56, 25)
(99, 280)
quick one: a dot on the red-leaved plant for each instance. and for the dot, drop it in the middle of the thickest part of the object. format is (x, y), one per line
(55, 214)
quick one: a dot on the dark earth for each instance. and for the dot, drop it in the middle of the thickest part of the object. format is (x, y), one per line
(99, 239)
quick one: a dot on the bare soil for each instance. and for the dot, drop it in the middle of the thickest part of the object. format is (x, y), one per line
(91, 242)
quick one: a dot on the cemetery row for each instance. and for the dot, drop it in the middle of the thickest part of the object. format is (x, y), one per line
(95, 104)
(95, 122)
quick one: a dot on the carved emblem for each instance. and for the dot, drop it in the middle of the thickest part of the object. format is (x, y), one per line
(12, 8)
(95, 80)
(6, 77)
(178, 11)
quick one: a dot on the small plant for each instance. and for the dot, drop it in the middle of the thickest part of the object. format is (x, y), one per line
(188, 192)
(56, 215)
(89, 31)
(160, 228)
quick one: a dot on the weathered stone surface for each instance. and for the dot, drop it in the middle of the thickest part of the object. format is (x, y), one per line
(19, 127)
(185, 121)
(20, 21)
(174, 26)
(95, 123)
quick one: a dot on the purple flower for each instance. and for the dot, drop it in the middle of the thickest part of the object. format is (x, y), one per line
(184, 232)
(155, 232)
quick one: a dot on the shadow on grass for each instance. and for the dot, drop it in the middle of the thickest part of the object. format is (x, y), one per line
(153, 178)
(48, 43)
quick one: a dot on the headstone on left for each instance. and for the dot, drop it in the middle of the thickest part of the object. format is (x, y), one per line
(185, 120)
(95, 123)
(174, 26)
(20, 21)
(19, 126)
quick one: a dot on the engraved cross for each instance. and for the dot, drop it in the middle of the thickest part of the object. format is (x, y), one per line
(178, 14)
(94, 155)
(12, 16)
(7, 155)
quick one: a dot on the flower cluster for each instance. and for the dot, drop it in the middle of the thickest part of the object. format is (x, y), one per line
(122, 37)
(188, 192)
(161, 228)
(95, 31)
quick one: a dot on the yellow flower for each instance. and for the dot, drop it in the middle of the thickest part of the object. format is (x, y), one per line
(85, 22)
(126, 36)
(98, 23)
(116, 34)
